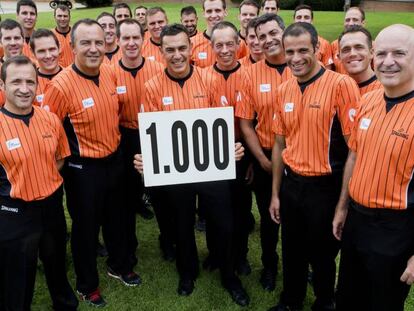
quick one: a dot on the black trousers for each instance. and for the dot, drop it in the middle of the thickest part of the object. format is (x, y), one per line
(21, 225)
(95, 196)
(376, 245)
(219, 219)
(269, 230)
(307, 210)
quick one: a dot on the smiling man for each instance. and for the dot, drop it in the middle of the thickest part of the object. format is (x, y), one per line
(121, 11)
(156, 20)
(307, 169)
(255, 51)
(189, 19)
(270, 6)
(112, 52)
(374, 218)
(26, 15)
(62, 32)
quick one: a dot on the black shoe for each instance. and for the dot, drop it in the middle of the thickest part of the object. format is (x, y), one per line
(243, 267)
(101, 250)
(185, 287)
(210, 264)
(283, 307)
(145, 212)
(167, 249)
(200, 225)
(239, 295)
(94, 299)
(268, 280)
(128, 279)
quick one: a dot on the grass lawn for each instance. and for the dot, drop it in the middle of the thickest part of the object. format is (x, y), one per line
(158, 291)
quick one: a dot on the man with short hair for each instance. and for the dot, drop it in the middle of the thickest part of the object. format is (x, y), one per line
(304, 13)
(112, 52)
(248, 9)
(94, 172)
(356, 54)
(156, 19)
(26, 15)
(62, 32)
(189, 19)
(307, 169)
(259, 91)
(121, 11)
(374, 217)
(255, 52)
(353, 16)
(30, 195)
(270, 6)
(140, 14)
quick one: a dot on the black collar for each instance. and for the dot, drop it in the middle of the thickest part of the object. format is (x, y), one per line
(181, 81)
(195, 33)
(241, 36)
(48, 76)
(95, 79)
(63, 33)
(280, 68)
(27, 40)
(251, 59)
(111, 54)
(155, 43)
(24, 117)
(133, 71)
(303, 85)
(226, 73)
(206, 35)
(367, 82)
(392, 101)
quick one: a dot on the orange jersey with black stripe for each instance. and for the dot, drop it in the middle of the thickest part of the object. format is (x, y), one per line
(313, 117)
(66, 56)
(166, 93)
(324, 54)
(27, 51)
(243, 50)
(112, 57)
(130, 89)
(247, 61)
(147, 35)
(339, 67)
(259, 91)
(152, 51)
(369, 85)
(89, 109)
(383, 140)
(1, 51)
(29, 148)
(43, 81)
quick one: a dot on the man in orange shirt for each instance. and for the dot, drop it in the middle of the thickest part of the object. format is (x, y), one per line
(312, 119)
(62, 32)
(156, 19)
(33, 148)
(140, 14)
(248, 9)
(112, 51)
(356, 54)
(374, 218)
(26, 15)
(255, 51)
(189, 19)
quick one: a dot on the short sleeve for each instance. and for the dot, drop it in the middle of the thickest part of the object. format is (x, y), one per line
(347, 98)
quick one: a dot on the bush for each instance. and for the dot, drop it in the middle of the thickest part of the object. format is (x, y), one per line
(95, 3)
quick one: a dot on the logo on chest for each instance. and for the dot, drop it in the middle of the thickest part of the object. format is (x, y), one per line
(315, 105)
(400, 133)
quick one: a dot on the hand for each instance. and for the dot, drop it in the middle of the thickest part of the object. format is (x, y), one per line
(274, 209)
(239, 151)
(339, 221)
(138, 165)
(266, 164)
(249, 174)
(408, 274)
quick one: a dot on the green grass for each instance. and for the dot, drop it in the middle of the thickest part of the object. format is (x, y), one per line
(158, 291)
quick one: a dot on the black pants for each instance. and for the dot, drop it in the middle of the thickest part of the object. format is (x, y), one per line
(95, 196)
(376, 245)
(219, 219)
(307, 210)
(269, 230)
(21, 225)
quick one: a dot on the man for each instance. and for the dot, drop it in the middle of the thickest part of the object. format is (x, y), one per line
(131, 72)
(321, 102)
(112, 51)
(45, 47)
(26, 15)
(248, 9)
(374, 216)
(255, 52)
(30, 195)
(93, 174)
(121, 11)
(139, 14)
(185, 81)
(270, 6)
(353, 16)
(62, 32)
(156, 20)
(304, 13)
(189, 19)
(259, 91)
(356, 54)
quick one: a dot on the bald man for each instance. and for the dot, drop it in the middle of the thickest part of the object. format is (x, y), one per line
(374, 217)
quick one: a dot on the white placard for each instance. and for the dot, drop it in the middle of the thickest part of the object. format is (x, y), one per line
(169, 141)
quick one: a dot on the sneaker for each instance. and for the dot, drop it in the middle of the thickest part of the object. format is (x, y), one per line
(129, 279)
(94, 299)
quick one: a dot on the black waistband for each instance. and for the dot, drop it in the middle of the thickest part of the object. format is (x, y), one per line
(323, 179)
(83, 160)
(378, 211)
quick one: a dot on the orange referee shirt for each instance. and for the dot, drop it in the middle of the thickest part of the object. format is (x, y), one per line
(130, 89)
(113, 57)
(27, 51)
(89, 109)
(337, 61)
(43, 80)
(247, 61)
(166, 93)
(66, 56)
(29, 148)
(325, 52)
(369, 85)
(1, 51)
(383, 139)
(313, 117)
(243, 49)
(152, 51)
(2, 95)
(259, 91)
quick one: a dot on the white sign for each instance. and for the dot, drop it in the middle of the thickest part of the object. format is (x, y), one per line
(187, 146)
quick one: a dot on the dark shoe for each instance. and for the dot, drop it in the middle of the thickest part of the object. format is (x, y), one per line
(185, 287)
(101, 250)
(145, 212)
(268, 280)
(243, 267)
(129, 279)
(167, 249)
(94, 299)
(239, 295)
(200, 225)
(210, 264)
(323, 306)
(283, 307)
